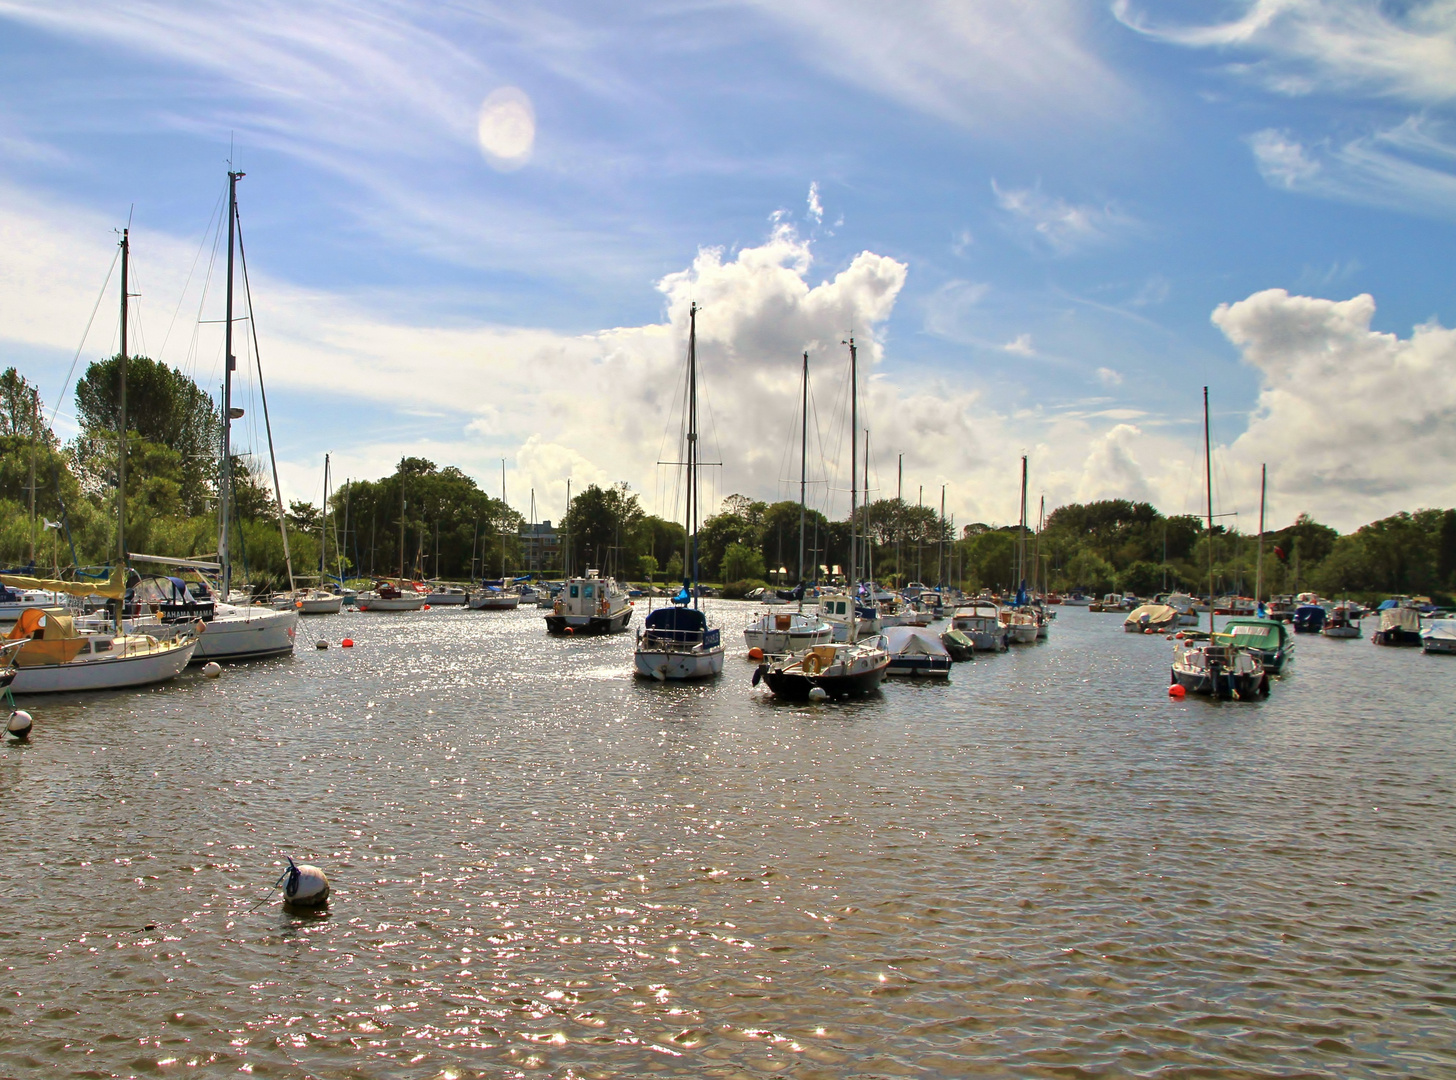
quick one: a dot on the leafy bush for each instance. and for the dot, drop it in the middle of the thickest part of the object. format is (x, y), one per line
(737, 590)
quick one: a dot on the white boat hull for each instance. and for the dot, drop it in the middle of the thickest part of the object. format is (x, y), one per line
(398, 603)
(251, 634)
(1021, 634)
(504, 602)
(104, 673)
(668, 665)
(321, 606)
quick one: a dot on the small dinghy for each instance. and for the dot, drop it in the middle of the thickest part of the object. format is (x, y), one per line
(960, 647)
(916, 653)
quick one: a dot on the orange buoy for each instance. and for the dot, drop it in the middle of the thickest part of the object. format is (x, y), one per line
(1176, 692)
(1169, 638)
(347, 643)
(1179, 635)
(425, 608)
(1149, 630)
(755, 653)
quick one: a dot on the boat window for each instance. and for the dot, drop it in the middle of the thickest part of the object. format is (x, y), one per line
(573, 588)
(590, 589)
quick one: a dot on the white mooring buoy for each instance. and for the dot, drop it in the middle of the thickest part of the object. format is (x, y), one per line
(212, 669)
(19, 724)
(320, 644)
(305, 886)
(818, 693)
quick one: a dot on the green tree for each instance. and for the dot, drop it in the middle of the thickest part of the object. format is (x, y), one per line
(602, 522)
(742, 563)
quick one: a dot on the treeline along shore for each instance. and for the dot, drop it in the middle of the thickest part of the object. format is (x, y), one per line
(58, 507)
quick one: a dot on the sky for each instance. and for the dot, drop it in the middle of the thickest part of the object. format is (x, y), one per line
(475, 230)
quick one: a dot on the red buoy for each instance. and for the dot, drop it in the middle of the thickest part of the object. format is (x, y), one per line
(755, 653)
(1176, 692)
(347, 643)
(425, 608)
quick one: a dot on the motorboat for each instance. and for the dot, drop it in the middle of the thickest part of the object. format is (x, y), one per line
(1344, 621)
(918, 612)
(1020, 626)
(1217, 669)
(960, 647)
(1185, 605)
(1399, 625)
(1268, 639)
(980, 620)
(840, 669)
(916, 653)
(310, 602)
(14, 601)
(780, 632)
(1309, 619)
(847, 617)
(47, 653)
(590, 605)
(1112, 602)
(447, 596)
(387, 596)
(1151, 618)
(1076, 599)
(1439, 635)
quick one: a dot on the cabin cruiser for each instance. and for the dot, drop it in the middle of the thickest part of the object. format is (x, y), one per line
(1399, 625)
(1344, 621)
(446, 596)
(1267, 639)
(387, 596)
(494, 596)
(1439, 635)
(590, 605)
(1020, 626)
(980, 620)
(849, 619)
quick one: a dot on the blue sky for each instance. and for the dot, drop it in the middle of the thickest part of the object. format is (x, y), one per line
(1029, 216)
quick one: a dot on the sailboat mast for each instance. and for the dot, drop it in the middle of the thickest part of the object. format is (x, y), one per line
(230, 363)
(506, 506)
(1259, 565)
(869, 569)
(899, 520)
(324, 527)
(401, 521)
(121, 414)
(1037, 571)
(1021, 547)
(803, 468)
(566, 553)
(853, 464)
(940, 555)
(1208, 487)
(692, 462)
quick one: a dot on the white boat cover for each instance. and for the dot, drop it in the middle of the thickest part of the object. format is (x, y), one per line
(1156, 615)
(913, 641)
(1441, 630)
(1401, 618)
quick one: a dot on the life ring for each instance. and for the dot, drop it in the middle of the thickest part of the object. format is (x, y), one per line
(812, 664)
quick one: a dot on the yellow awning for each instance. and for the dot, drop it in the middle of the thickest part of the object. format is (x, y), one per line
(112, 589)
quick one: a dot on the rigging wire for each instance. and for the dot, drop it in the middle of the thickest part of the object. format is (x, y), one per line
(85, 334)
(182, 297)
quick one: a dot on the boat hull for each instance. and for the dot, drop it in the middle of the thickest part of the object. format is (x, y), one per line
(795, 686)
(508, 602)
(788, 641)
(397, 603)
(920, 667)
(576, 625)
(330, 606)
(672, 665)
(256, 635)
(1396, 637)
(109, 673)
(1341, 631)
(1438, 645)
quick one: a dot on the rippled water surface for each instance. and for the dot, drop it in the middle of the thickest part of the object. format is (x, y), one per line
(542, 867)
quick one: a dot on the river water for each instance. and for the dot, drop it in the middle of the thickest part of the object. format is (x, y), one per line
(543, 867)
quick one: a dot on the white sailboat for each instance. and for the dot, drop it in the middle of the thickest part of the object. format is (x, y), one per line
(233, 631)
(778, 632)
(46, 653)
(676, 642)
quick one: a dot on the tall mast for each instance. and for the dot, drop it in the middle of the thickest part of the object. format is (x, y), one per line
(507, 506)
(401, 521)
(566, 554)
(1259, 566)
(869, 569)
(225, 487)
(853, 464)
(899, 519)
(121, 414)
(940, 554)
(34, 434)
(692, 464)
(1208, 487)
(1038, 570)
(803, 469)
(324, 527)
(1021, 547)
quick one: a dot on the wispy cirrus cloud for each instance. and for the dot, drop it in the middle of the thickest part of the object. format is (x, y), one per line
(1406, 167)
(1054, 223)
(981, 64)
(1401, 50)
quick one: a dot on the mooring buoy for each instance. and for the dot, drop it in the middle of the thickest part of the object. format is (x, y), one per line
(818, 693)
(19, 724)
(212, 669)
(305, 886)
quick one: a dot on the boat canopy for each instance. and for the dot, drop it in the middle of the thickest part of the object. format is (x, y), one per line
(1400, 618)
(1254, 633)
(1151, 615)
(912, 641)
(678, 620)
(1443, 629)
(53, 624)
(113, 588)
